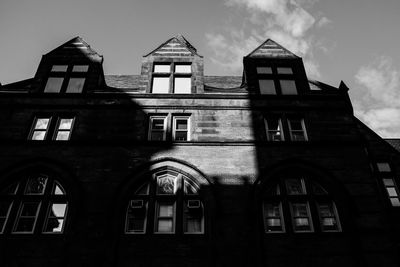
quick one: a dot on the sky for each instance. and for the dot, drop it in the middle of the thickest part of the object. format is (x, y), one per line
(351, 40)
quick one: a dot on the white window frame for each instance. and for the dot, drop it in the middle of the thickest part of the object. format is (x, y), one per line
(57, 129)
(174, 129)
(153, 117)
(303, 130)
(34, 124)
(157, 217)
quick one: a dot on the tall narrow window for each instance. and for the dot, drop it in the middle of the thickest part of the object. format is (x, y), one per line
(158, 128)
(308, 203)
(297, 129)
(180, 130)
(64, 128)
(161, 78)
(27, 202)
(183, 79)
(172, 199)
(273, 127)
(40, 128)
(386, 174)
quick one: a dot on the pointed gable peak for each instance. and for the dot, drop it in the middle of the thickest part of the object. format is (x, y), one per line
(175, 46)
(271, 49)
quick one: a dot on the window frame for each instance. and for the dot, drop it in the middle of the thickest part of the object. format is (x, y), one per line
(267, 130)
(175, 130)
(52, 127)
(164, 117)
(57, 128)
(389, 174)
(303, 130)
(34, 124)
(67, 74)
(275, 76)
(172, 74)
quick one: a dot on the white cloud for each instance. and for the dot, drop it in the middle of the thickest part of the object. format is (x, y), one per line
(380, 87)
(284, 21)
(323, 22)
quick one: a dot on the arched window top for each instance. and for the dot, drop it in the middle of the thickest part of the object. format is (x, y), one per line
(33, 204)
(299, 205)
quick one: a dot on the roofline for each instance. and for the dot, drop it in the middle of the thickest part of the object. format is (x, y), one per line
(175, 37)
(269, 39)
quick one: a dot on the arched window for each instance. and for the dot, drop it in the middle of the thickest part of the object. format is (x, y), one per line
(37, 204)
(168, 203)
(299, 205)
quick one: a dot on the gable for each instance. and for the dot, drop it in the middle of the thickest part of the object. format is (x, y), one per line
(174, 47)
(271, 49)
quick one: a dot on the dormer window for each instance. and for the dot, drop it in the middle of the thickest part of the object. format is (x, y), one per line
(66, 79)
(172, 78)
(276, 80)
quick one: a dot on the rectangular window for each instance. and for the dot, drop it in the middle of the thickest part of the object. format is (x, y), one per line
(267, 87)
(5, 207)
(284, 70)
(59, 68)
(53, 85)
(392, 191)
(26, 218)
(273, 128)
(136, 217)
(328, 217)
(301, 217)
(165, 217)
(295, 186)
(273, 219)
(180, 131)
(264, 70)
(288, 87)
(193, 217)
(162, 68)
(383, 167)
(55, 218)
(75, 85)
(158, 128)
(182, 85)
(183, 68)
(64, 129)
(160, 85)
(297, 129)
(40, 128)
(80, 68)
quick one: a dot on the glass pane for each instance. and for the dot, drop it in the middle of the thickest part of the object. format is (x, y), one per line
(295, 186)
(329, 222)
(165, 226)
(299, 210)
(54, 225)
(298, 136)
(163, 68)
(189, 188)
(301, 223)
(282, 70)
(272, 210)
(288, 87)
(29, 209)
(183, 68)
(395, 202)
(165, 210)
(38, 135)
(135, 224)
(36, 185)
(143, 190)
(181, 136)
(273, 124)
(273, 222)
(157, 124)
(391, 191)
(193, 225)
(182, 85)
(264, 70)
(383, 167)
(166, 184)
(267, 87)
(63, 135)
(58, 190)
(80, 68)
(65, 124)
(388, 182)
(10, 190)
(53, 85)
(57, 210)
(326, 210)
(296, 125)
(25, 225)
(75, 85)
(42, 123)
(160, 85)
(157, 136)
(59, 68)
(181, 124)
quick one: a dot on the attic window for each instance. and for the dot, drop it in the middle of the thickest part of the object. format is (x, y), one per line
(178, 81)
(274, 80)
(66, 79)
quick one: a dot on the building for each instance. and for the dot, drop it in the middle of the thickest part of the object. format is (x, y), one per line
(174, 168)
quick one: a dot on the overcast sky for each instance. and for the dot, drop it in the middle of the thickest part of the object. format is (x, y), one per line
(356, 41)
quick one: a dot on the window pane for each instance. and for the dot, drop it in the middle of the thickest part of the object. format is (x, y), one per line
(181, 136)
(62, 135)
(272, 217)
(288, 87)
(163, 68)
(165, 226)
(300, 210)
(193, 225)
(181, 124)
(267, 87)
(54, 225)
(29, 209)
(388, 182)
(58, 190)
(391, 191)
(39, 135)
(383, 167)
(301, 217)
(274, 131)
(189, 188)
(264, 70)
(166, 184)
(25, 225)
(75, 85)
(395, 202)
(160, 85)
(295, 187)
(157, 124)
(53, 85)
(183, 68)
(41, 124)
(298, 136)
(182, 85)
(59, 68)
(165, 210)
(296, 125)
(157, 136)
(136, 219)
(283, 70)
(58, 210)
(65, 124)
(36, 185)
(80, 68)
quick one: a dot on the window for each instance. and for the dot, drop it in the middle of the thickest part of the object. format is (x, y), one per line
(172, 78)
(307, 204)
(66, 79)
(297, 129)
(160, 127)
(386, 174)
(273, 128)
(36, 204)
(42, 125)
(274, 80)
(172, 199)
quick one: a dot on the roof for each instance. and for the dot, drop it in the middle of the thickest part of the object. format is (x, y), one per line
(177, 45)
(394, 142)
(271, 49)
